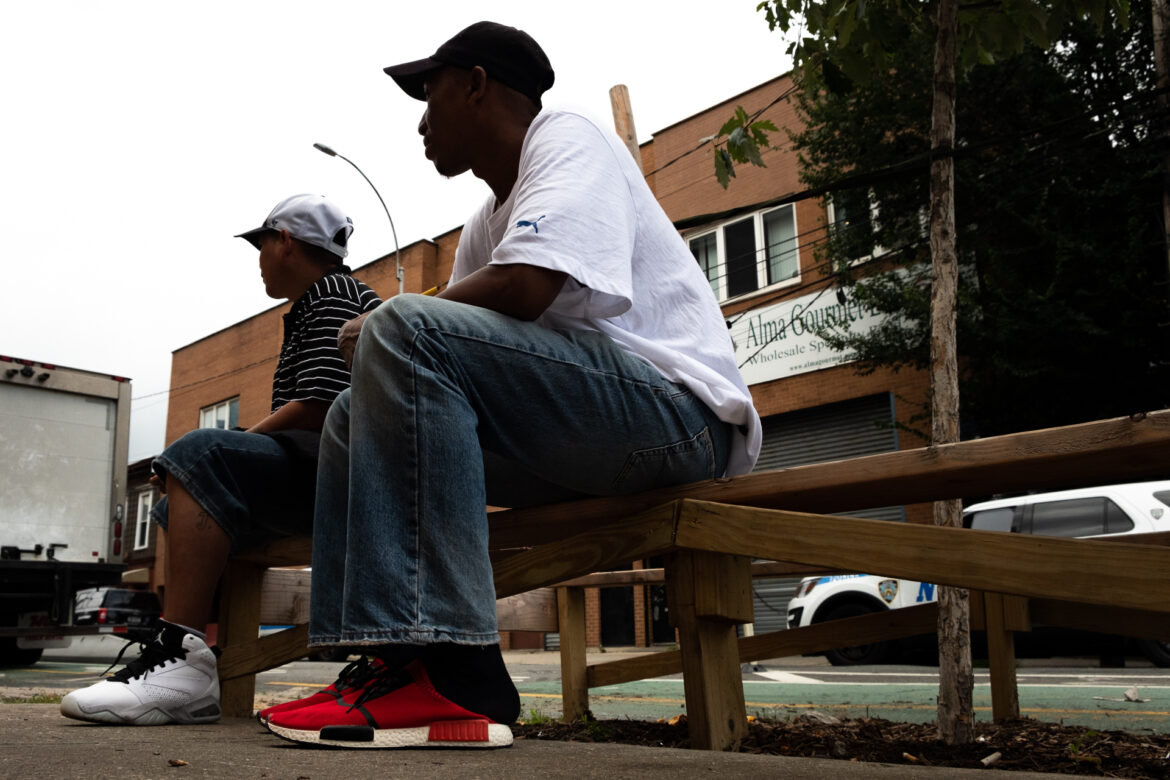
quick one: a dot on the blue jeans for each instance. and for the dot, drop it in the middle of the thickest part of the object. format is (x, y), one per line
(455, 407)
(251, 485)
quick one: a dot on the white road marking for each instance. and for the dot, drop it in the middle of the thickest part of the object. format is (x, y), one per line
(789, 677)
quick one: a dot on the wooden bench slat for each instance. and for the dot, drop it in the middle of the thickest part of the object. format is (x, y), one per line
(1025, 565)
(1117, 450)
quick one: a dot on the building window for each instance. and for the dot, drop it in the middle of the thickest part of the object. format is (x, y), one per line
(749, 253)
(142, 520)
(853, 215)
(225, 415)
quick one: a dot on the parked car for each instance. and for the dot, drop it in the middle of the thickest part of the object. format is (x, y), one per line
(1108, 510)
(116, 607)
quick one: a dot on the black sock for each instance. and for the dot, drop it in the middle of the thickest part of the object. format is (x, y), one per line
(475, 678)
(397, 656)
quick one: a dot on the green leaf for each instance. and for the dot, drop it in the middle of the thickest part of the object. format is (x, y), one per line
(723, 168)
(759, 131)
(730, 125)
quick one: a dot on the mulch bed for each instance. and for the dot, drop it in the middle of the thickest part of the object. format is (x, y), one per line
(1024, 745)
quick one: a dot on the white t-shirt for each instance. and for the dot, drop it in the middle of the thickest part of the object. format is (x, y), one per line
(580, 205)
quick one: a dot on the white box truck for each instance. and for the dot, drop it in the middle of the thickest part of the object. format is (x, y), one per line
(64, 445)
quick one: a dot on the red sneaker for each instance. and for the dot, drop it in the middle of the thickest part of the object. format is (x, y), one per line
(354, 675)
(397, 708)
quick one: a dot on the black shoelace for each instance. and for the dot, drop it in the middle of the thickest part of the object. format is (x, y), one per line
(152, 654)
(355, 674)
(382, 682)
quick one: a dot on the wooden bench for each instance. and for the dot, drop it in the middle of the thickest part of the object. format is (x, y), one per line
(709, 533)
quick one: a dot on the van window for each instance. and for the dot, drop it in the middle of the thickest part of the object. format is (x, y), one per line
(992, 519)
(1116, 519)
(1079, 517)
(1163, 496)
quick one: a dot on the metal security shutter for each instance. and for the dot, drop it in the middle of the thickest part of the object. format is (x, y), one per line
(849, 429)
(862, 426)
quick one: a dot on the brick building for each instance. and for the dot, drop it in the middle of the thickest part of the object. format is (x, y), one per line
(758, 250)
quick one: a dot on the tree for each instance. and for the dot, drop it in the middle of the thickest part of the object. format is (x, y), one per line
(849, 42)
(1061, 269)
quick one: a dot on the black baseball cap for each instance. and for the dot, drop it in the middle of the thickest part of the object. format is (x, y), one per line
(506, 54)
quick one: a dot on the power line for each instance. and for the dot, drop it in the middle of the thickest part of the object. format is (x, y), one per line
(176, 390)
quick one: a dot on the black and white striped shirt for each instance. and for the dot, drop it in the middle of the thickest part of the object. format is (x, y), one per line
(311, 366)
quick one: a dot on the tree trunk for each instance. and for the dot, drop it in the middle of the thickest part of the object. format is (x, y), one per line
(956, 679)
(1162, 70)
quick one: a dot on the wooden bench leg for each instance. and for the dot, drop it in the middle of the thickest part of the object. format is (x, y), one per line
(1003, 617)
(571, 625)
(708, 593)
(239, 622)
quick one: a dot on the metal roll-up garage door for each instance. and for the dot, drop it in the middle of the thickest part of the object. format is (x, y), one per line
(862, 426)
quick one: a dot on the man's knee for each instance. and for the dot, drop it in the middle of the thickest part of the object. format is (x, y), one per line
(200, 439)
(337, 418)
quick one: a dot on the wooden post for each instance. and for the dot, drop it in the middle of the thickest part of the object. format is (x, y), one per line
(239, 619)
(571, 624)
(623, 120)
(1001, 657)
(708, 594)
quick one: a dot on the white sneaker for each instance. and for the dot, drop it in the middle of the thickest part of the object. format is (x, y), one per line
(174, 680)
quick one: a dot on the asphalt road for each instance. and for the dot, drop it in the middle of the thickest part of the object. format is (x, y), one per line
(1071, 691)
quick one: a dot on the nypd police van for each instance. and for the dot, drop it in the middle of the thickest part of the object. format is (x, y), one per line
(1102, 511)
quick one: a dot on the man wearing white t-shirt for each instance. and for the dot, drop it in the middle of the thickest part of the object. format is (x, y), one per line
(578, 350)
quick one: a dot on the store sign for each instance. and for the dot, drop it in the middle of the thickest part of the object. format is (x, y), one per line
(781, 340)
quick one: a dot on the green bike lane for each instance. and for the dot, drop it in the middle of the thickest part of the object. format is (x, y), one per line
(1101, 705)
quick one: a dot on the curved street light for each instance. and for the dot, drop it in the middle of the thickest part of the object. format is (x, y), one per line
(397, 263)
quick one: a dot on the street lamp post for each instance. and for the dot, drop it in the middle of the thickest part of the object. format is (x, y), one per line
(397, 262)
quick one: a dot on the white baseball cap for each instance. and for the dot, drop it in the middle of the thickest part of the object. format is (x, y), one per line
(312, 218)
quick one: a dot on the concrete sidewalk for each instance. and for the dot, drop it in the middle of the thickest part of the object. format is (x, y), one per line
(37, 742)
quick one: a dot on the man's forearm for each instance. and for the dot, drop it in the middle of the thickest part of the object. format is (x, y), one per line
(517, 290)
(306, 415)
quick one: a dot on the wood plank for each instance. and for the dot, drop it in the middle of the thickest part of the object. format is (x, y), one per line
(284, 599)
(1001, 658)
(535, 610)
(1024, 565)
(1017, 613)
(597, 549)
(618, 579)
(1121, 449)
(875, 627)
(713, 685)
(267, 652)
(574, 682)
(1140, 624)
(723, 587)
(283, 551)
(239, 621)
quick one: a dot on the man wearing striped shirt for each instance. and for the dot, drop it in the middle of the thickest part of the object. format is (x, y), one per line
(226, 489)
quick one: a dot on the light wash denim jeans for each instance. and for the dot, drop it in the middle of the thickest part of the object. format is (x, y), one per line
(454, 407)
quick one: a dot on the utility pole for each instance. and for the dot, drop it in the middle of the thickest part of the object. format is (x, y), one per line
(623, 120)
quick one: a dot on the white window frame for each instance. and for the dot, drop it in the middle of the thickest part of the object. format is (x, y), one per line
(209, 415)
(874, 214)
(142, 519)
(762, 285)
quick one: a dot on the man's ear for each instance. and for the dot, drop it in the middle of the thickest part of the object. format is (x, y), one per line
(284, 240)
(477, 84)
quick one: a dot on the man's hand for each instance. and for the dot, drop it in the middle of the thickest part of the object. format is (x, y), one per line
(158, 483)
(347, 337)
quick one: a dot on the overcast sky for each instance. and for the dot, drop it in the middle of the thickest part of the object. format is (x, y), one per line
(139, 137)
